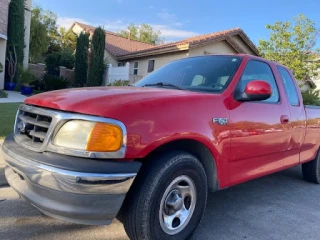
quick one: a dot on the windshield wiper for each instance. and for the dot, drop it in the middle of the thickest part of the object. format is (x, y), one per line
(163, 84)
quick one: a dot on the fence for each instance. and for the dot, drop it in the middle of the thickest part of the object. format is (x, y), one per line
(134, 78)
(113, 74)
(39, 70)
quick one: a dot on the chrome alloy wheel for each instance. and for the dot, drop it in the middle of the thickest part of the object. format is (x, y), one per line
(177, 205)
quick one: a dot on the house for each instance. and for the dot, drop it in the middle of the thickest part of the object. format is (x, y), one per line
(145, 58)
(4, 9)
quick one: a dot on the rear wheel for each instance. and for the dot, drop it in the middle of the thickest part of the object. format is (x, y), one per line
(168, 198)
(311, 170)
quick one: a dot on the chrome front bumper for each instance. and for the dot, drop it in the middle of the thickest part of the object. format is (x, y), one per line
(80, 197)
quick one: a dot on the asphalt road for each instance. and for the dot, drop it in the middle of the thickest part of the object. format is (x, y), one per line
(279, 206)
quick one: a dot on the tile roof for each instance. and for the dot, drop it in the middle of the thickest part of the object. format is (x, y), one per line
(199, 40)
(116, 44)
(124, 48)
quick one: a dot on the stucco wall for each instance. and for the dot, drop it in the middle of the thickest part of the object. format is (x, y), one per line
(316, 80)
(77, 29)
(109, 59)
(3, 45)
(243, 45)
(160, 60)
(4, 7)
(37, 69)
(221, 47)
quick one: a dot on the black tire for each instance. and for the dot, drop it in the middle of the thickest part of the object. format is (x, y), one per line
(141, 210)
(311, 170)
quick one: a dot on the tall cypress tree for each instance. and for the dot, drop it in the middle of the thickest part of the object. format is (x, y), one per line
(15, 42)
(16, 28)
(81, 64)
(96, 68)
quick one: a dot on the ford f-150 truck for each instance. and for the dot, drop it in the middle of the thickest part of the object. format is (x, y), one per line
(149, 153)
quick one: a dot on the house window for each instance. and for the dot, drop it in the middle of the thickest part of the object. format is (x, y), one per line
(150, 66)
(135, 68)
(121, 64)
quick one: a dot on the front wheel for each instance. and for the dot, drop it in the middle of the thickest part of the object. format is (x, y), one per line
(168, 198)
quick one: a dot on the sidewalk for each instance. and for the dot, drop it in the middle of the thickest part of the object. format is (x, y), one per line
(13, 97)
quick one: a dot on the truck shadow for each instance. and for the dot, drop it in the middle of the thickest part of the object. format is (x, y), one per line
(278, 206)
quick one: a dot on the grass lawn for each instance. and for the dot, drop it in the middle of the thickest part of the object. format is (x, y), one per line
(7, 116)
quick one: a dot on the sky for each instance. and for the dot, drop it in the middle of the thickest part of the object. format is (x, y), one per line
(178, 19)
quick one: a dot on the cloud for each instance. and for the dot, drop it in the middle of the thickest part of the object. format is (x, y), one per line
(111, 25)
(67, 21)
(169, 17)
(115, 25)
(168, 31)
(173, 34)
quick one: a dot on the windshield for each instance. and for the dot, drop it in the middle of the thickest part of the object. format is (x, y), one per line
(204, 74)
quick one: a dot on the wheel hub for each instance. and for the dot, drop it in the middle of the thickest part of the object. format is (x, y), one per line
(173, 202)
(177, 205)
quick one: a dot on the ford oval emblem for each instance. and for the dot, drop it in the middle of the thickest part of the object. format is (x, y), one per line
(21, 126)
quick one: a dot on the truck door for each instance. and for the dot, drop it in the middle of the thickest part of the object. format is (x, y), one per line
(297, 117)
(260, 131)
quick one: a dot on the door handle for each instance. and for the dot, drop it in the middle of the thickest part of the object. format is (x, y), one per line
(284, 119)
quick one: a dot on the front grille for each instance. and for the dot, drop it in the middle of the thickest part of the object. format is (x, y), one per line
(31, 127)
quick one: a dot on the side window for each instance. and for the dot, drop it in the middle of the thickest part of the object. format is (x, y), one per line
(257, 70)
(135, 68)
(150, 66)
(289, 86)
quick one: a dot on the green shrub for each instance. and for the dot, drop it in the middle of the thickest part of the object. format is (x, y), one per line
(38, 85)
(311, 97)
(51, 82)
(3, 94)
(53, 61)
(67, 59)
(26, 77)
(119, 83)
(56, 59)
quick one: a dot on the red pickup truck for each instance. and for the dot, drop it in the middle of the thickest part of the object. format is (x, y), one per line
(149, 153)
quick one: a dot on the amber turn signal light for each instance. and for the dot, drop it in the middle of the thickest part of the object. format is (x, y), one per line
(105, 138)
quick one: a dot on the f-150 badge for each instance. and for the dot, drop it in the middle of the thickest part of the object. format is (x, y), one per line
(220, 121)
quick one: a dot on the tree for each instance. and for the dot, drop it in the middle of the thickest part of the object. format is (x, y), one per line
(66, 38)
(39, 39)
(143, 33)
(81, 64)
(96, 68)
(43, 32)
(293, 45)
(16, 30)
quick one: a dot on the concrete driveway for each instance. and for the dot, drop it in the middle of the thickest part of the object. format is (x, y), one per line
(280, 206)
(13, 97)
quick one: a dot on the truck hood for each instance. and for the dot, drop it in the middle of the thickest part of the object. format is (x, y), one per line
(98, 100)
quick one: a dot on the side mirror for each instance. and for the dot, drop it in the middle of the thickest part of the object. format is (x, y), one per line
(256, 90)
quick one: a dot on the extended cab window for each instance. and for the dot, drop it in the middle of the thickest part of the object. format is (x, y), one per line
(201, 74)
(289, 86)
(257, 70)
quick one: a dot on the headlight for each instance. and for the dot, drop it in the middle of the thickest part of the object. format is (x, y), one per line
(89, 136)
